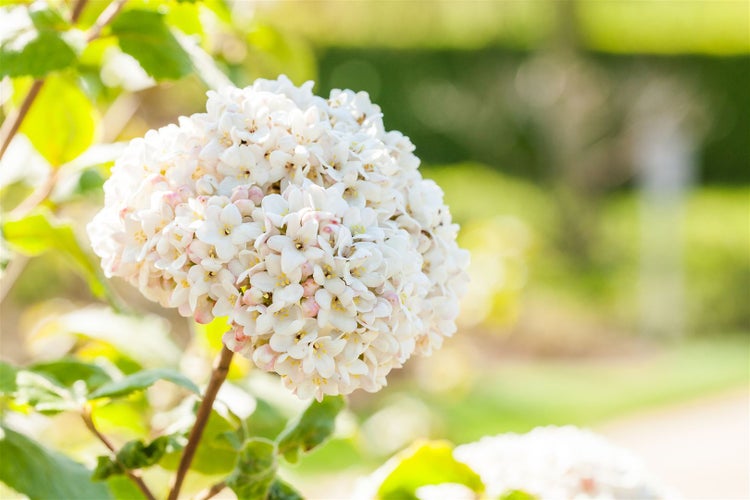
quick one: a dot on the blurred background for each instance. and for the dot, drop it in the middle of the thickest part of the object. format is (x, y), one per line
(597, 157)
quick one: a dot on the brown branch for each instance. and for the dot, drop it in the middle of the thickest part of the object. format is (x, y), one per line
(35, 198)
(218, 375)
(77, 11)
(13, 122)
(212, 491)
(104, 19)
(134, 476)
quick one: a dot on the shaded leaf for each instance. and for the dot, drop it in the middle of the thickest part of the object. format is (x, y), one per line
(33, 45)
(68, 371)
(310, 429)
(62, 122)
(266, 421)
(43, 394)
(122, 488)
(106, 467)
(7, 378)
(141, 380)
(255, 470)
(281, 490)
(145, 35)
(426, 463)
(215, 454)
(41, 473)
(41, 231)
(135, 454)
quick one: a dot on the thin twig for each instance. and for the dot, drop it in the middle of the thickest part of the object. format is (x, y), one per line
(218, 375)
(77, 11)
(13, 122)
(11, 273)
(134, 476)
(104, 19)
(212, 491)
(35, 198)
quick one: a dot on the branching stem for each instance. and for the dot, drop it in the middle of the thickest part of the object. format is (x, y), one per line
(134, 476)
(218, 375)
(13, 122)
(212, 491)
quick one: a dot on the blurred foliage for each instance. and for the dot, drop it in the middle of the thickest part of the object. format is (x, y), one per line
(650, 26)
(507, 108)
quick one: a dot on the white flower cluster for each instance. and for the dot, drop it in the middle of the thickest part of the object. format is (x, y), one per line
(558, 463)
(298, 218)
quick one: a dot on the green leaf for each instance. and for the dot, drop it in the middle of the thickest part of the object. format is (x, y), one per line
(43, 394)
(311, 428)
(123, 488)
(106, 467)
(36, 49)
(185, 16)
(255, 470)
(141, 380)
(68, 371)
(426, 463)
(41, 231)
(145, 35)
(215, 454)
(7, 378)
(266, 421)
(41, 473)
(516, 495)
(281, 490)
(135, 454)
(62, 122)
(47, 19)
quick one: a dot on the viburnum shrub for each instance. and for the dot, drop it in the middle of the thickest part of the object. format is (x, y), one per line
(298, 218)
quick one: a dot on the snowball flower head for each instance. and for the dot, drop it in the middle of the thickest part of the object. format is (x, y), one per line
(558, 463)
(302, 221)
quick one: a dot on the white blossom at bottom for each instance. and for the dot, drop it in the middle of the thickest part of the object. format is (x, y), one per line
(562, 463)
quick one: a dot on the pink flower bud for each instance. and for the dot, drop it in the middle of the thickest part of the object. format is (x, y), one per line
(172, 198)
(240, 193)
(265, 357)
(310, 308)
(245, 206)
(309, 287)
(203, 316)
(391, 297)
(255, 194)
(252, 297)
(156, 179)
(307, 269)
(239, 335)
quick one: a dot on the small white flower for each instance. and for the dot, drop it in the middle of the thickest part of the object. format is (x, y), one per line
(223, 228)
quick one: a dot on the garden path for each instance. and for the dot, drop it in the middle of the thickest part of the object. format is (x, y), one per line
(700, 448)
